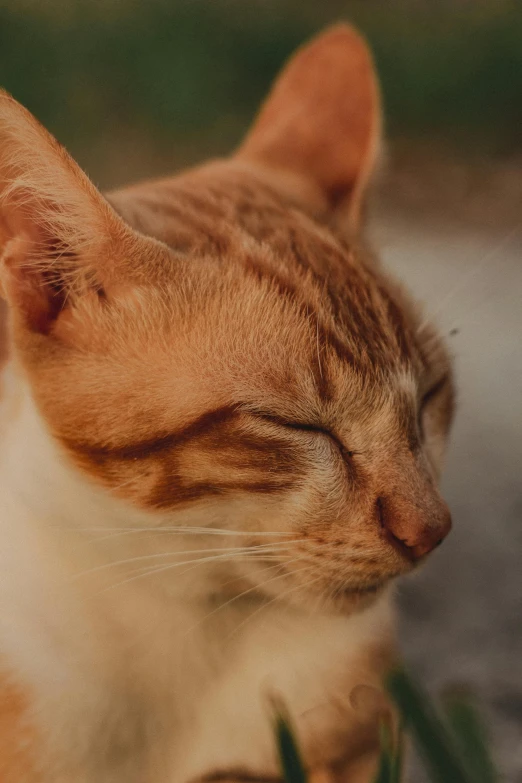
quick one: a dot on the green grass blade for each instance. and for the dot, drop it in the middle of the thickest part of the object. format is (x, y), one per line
(289, 755)
(470, 736)
(391, 756)
(398, 757)
(384, 773)
(431, 736)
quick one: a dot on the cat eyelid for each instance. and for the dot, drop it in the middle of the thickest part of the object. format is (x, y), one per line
(302, 426)
(434, 390)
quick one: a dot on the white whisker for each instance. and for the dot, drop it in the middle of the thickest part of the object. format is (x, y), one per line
(277, 598)
(112, 490)
(466, 317)
(319, 351)
(469, 275)
(176, 529)
(254, 557)
(170, 566)
(245, 592)
(232, 552)
(120, 532)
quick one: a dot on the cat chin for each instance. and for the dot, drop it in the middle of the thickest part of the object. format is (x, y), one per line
(343, 602)
(318, 598)
(350, 600)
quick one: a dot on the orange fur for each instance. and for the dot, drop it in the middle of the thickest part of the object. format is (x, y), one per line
(17, 737)
(226, 337)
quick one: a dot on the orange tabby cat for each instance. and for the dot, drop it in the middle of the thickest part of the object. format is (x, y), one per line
(222, 433)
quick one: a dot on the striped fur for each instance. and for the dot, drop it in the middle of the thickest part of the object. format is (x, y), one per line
(217, 350)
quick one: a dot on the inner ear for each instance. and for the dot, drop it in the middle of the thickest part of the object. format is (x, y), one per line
(40, 272)
(59, 237)
(38, 293)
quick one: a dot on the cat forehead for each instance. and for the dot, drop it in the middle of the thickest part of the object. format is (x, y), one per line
(266, 332)
(248, 248)
(261, 306)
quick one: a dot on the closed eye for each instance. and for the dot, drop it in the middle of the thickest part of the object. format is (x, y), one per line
(303, 427)
(434, 391)
(442, 392)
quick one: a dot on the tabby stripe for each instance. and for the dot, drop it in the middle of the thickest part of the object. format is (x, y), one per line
(169, 493)
(100, 453)
(327, 337)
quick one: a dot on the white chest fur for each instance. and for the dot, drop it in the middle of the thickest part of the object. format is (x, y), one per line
(127, 678)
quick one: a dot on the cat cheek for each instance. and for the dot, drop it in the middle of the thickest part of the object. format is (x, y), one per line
(434, 439)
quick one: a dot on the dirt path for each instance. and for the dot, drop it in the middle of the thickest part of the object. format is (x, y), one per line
(462, 614)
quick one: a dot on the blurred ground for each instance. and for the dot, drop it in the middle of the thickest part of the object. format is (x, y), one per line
(461, 615)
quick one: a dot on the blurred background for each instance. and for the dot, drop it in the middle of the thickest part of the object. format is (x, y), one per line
(134, 88)
(138, 89)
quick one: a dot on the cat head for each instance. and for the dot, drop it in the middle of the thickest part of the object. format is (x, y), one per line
(222, 348)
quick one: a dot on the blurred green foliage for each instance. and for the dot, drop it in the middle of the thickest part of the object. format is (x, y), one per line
(194, 71)
(452, 741)
(453, 744)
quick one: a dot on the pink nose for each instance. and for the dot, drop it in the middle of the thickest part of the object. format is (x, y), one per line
(410, 530)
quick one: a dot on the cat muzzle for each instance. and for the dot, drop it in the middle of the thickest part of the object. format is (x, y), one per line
(413, 530)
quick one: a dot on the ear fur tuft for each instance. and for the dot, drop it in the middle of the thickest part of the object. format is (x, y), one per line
(55, 226)
(47, 200)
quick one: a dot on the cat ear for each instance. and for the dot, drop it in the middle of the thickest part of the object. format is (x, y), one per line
(322, 119)
(59, 237)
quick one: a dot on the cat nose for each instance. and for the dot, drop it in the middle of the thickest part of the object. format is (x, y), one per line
(414, 532)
